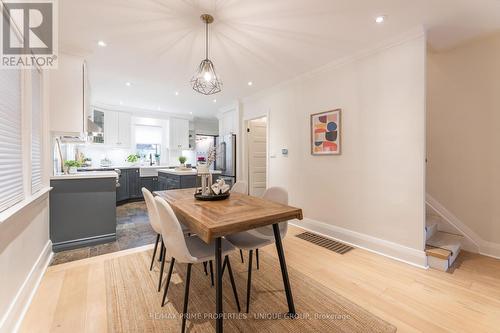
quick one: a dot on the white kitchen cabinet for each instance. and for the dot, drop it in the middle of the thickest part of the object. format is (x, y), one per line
(69, 91)
(117, 128)
(124, 129)
(228, 123)
(179, 134)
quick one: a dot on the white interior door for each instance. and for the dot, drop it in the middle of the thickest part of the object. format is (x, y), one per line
(257, 156)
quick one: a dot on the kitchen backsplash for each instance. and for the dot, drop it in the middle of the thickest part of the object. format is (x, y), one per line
(117, 156)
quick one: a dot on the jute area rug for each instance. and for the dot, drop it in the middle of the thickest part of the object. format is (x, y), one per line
(133, 304)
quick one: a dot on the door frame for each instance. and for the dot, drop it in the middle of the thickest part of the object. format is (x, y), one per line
(247, 150)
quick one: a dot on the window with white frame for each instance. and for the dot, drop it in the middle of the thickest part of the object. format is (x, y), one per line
(36, 131)
(148, 141)
(11, 158)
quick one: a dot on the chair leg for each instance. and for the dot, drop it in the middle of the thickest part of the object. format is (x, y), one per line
(211, 272)
(257, 257)
(241, 256)
(231, 277)
(205, 267)
(186, 298)
(172, 261)
(154, 252)
(161, 249)
(223, 266)
(249, 280)
(161, 268)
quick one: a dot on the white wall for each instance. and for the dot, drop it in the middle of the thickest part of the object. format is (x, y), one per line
(25, 248)
(373, 194)
(463, 137)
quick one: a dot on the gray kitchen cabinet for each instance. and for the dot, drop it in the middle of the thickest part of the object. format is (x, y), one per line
(167, 181)
(151, 183)
(131, 185)
(134, 184)
(82, 212)
(162, 182)
(122, 191)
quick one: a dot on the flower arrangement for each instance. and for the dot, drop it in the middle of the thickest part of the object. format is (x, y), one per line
(211, 155)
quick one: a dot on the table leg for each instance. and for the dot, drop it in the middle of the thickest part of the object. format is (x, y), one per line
(284, 271)
(218, 286)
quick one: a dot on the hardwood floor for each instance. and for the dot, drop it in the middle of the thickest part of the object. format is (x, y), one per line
(72, 297)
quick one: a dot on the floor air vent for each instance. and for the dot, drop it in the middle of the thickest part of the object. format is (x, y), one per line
(327, 243)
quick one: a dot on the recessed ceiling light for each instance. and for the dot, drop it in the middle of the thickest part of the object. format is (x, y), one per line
(380, 19)
(190, 113)
(159, 108)
(102, 43)
(121, 102)
(215, 101)
(128, 84)
(250, 83)
(176, 93)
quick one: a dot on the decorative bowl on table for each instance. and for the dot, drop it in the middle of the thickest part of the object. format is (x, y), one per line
(211, 196)
(213, 192)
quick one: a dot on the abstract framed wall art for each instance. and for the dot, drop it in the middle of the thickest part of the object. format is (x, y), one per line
(325, 133)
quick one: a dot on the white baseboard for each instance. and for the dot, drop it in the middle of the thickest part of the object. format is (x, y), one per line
(19, 306)
(382, 247)
(485, 247)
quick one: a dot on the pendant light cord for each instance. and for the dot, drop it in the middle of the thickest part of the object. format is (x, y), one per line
(206, 40)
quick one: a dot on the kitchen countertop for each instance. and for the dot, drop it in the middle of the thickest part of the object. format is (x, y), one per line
(126, 167)
(188, 172)
(86, 175)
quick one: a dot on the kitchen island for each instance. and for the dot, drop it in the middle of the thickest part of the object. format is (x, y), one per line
(82, 209)
(172, 179)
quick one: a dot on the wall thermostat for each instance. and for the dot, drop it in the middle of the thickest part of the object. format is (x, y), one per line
(284, 152)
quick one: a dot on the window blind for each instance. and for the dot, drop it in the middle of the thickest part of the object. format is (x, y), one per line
(11, 168)
(148, 134)
(36, 132)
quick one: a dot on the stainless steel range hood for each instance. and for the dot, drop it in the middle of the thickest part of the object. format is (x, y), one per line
(73, 138)
(93, 128)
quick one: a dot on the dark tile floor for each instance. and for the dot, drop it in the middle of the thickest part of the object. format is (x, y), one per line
(132, 230)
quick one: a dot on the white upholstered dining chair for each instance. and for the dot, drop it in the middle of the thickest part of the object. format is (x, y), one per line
(189, 250)
(254, 239)
(240, 187)
(154, 220)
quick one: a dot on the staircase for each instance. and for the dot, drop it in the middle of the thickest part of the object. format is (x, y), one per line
(442, 246)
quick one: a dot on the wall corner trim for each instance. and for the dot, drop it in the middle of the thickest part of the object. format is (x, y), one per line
(12, 319)
(485, 247)
(379, 246)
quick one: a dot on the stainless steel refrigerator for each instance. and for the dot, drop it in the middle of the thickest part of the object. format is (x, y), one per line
(225, 160)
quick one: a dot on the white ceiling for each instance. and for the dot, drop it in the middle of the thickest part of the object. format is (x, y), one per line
(157, 44)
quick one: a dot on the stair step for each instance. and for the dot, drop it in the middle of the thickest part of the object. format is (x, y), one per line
(442, 249)
(431, 227)
(437, 252)
(445, 241)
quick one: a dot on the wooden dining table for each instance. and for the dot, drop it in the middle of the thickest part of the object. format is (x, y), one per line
(212, 220)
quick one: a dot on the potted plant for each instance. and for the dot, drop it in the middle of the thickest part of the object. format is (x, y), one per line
(182, 161)
(157, 158)
(133, 158)
(72, 166)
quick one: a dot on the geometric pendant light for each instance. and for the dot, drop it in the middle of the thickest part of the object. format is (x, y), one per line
(205, 80)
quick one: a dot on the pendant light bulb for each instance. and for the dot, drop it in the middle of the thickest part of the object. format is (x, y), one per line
(207, 76)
